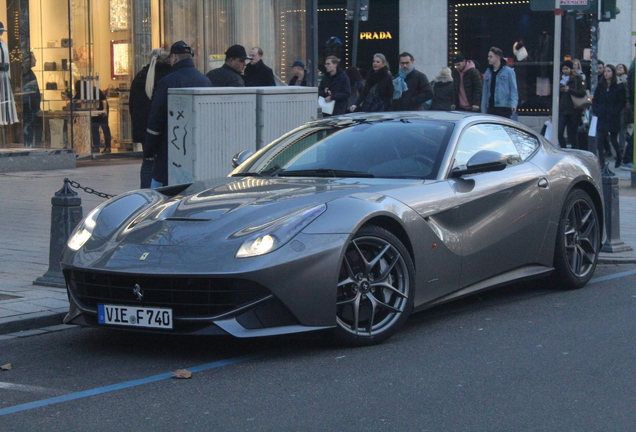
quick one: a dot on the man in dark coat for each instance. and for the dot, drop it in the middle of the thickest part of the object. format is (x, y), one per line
(467, 84)
(184, 74)
(257, 74)
(335, 86)
(230, 74)
(411, 87)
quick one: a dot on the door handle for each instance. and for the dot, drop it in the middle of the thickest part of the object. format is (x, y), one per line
(543, 183)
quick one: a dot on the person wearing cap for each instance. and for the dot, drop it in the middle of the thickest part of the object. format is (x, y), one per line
(8, 113)
(411, 87)
(571, 84)
(184, 74)
(141, 92)
(230, 74)
(257, 73)
(467, 84)
(499, 95)
(299, 74)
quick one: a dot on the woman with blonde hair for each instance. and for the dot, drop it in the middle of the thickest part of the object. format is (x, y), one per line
(443, 94)
(378, 89)
(141, 92)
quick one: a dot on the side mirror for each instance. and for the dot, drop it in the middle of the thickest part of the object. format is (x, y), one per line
(241, 157)
(482, 161)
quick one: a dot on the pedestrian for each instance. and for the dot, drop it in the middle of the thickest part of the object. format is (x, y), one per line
(576, 66)
(334, 86)
(184, 74)
(411, 87)
(231, 73)
(467, 84)
(628, 154)
(257, 74)
(571, 84)
(443, 92)
(99, 121)
(8, 112)
(299, 74)
(356, 82)
(31, 98)
(499, 91)
(627, 116)
(609, 100)
(141, 93)
(378, 89)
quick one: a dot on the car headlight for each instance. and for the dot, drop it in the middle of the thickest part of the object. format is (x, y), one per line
(268, 237)
(84, 230)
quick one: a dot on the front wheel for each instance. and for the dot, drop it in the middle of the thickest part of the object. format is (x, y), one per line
(374, 293)
(578, 242)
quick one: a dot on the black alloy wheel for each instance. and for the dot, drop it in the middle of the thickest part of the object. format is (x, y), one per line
(374, 294)
(578, 241)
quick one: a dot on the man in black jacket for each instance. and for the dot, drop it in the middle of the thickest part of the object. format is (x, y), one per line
(257, 74)
(335, 86)
(411, 87)
(184, 74)
(467, 83)
(229, 75)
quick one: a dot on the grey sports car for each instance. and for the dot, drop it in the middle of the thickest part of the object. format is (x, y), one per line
(347, 224)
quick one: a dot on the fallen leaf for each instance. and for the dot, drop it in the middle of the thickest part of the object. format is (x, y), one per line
(6, 367)
(182, 374)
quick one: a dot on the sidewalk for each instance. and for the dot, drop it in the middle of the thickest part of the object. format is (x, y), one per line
(25, 205)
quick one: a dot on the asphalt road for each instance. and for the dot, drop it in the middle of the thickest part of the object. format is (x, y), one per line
(525, 357)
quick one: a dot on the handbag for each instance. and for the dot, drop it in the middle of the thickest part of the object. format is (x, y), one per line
(327, 107)
(67, 43)
(51, 83)
(582, 102)
(372, 102)
(50, 66)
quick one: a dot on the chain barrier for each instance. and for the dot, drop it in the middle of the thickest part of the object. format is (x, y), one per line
(88, 190)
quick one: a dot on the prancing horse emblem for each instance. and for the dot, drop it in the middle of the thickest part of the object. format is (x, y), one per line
(137, 291)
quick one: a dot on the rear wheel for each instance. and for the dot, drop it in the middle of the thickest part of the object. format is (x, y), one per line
(374, 294)
(578, 242)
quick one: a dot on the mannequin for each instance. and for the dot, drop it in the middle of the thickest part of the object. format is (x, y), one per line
(8, 113)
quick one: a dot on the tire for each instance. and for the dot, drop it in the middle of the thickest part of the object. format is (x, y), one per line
(578, 242)
(375, 288)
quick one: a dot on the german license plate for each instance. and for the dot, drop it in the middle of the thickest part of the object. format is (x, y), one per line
(134, 316)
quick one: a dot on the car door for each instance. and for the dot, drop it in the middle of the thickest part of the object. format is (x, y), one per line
(502, 216)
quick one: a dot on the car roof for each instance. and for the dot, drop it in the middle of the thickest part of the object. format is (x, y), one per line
(460, 118)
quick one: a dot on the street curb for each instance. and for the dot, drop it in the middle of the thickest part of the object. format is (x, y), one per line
(41, 319)
(616, 260)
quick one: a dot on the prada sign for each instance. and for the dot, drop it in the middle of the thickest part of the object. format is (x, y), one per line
(375, 35)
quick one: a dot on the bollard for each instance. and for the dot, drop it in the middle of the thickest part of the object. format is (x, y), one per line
(65, 215)
(613, 243)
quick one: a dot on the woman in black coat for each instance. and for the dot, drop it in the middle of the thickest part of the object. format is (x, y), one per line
(609, 100)
(379, 82)
(571, 84)
(443, 91)
(141, 91)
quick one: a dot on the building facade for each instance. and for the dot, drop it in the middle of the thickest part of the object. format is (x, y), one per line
(104, 43)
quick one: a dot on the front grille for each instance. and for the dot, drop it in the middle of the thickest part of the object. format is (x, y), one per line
(188, 296)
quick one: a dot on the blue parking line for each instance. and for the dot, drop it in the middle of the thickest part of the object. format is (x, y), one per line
(123, 385)
(612, 276)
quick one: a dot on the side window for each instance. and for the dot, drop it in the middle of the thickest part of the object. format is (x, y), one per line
(486, 136)
(525, 143)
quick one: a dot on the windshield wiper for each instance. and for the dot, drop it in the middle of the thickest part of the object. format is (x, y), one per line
(324, 172)
(248, 174)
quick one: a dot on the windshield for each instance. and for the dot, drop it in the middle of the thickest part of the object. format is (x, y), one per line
(394, 148)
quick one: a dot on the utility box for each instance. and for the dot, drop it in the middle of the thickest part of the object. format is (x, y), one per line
(281, 109)
(206, 128)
